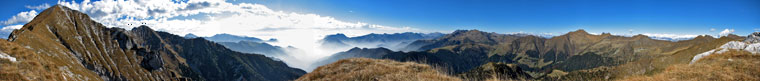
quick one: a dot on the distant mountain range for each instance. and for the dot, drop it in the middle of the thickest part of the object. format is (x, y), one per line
(255, 47)
(230, 38)
(248, 45)
(395, 41)
(73, 47)
(573, 52)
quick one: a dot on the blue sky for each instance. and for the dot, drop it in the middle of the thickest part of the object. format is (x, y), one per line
(13, 7)
(537, 16)
(653, 16)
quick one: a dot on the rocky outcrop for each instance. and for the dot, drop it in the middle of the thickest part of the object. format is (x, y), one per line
(753, 38)
(86, 50)
(753, 48)
(4, 56)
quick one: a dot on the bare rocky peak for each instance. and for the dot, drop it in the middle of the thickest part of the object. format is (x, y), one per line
(753, 38)
(90, 51)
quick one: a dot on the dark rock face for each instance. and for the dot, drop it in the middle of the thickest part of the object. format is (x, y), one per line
(753, 38)
(151, 60)
(85, 47)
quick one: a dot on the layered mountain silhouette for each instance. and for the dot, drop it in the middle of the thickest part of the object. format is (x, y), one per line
(229, 38)
(246, 44)
(255, 47)
(395, 41)
(77, 48)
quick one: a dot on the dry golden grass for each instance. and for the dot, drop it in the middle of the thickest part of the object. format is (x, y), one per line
(730, 66)
(365, 69)
(28, 67)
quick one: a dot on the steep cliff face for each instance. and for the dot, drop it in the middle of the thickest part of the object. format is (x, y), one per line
(91, 51)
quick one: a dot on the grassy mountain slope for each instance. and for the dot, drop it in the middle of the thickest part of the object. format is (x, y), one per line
(83, 49)
(365, 69)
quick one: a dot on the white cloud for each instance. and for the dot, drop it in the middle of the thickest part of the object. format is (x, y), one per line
(670, 37)
(11, 28)
(38, 7)
(712, 29)
(21, 18)
(242, 17)
(726, 32)
(206, 18)
(5, 31)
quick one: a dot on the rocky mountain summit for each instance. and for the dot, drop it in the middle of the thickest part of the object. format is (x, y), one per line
(81, 49)
(753, 38)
